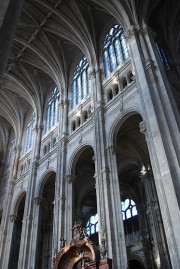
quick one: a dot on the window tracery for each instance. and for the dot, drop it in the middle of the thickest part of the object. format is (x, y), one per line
(52, 115)
(92, 225)
(115, 49)
(81, 84)
(129, 209)
(28, 135)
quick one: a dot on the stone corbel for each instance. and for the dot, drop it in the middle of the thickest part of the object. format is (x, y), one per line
(143, 130)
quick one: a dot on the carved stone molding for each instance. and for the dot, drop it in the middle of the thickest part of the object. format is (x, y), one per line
(144, 130)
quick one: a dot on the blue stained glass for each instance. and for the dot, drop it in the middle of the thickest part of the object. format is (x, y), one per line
(80, 84)
(28, 135)
(106, 63)
(124, 46)
(79, 89)
(112, 57)
(128, 209)
(162, 56)
(88, 81)
(115, 43)
(118, 51)
(52, 109)
(84, 84)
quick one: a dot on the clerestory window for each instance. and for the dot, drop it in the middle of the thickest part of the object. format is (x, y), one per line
(115, 49)
(81, 84)
(129, 209)
(52, 115)
(92, 225)
(11, 150)
(28, 134)
(162, 56)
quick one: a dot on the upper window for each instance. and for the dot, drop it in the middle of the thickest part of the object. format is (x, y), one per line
(162, 56)
(28, 135)
(115, 49)
(11, 149)
(92, 225)
(128, 209)
(52, 115)
(81, 84)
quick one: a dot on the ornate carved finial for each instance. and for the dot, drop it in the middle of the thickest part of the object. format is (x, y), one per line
(62, 243)
(78, 232)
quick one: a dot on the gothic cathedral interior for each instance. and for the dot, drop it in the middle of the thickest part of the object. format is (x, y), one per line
(89, 134)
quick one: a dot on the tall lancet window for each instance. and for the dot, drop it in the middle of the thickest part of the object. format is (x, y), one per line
(128, 209)
(162, 56)
(29, 133)
(52, 115)
(115, 49)
(11, 150)
(81, 84)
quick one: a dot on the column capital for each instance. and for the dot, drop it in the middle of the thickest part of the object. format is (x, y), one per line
(136, 29)
(95, 72)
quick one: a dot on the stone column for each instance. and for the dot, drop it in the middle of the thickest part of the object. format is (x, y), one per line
(70, 179)
(146, 234)
(28, 221)
(34, 251)
(109, 227)
(116, 219)
(161, 255)
(60, 186)
(161, 149)
(5, 244)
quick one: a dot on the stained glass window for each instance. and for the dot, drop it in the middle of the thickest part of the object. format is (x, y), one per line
(162, 56)
(28, 135)
(92, 225)
(128, 209)
(81, 84)
(115, 49)
(52, 115)
(11, 150)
